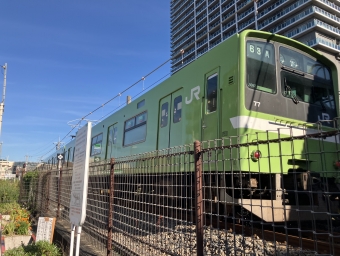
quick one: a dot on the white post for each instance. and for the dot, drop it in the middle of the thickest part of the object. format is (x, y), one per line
(78, 240)
(2, 104)
(72, 239)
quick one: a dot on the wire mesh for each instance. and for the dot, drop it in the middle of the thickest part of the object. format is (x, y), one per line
(268, 193)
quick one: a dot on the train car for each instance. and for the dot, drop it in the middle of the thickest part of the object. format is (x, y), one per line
(251, 84)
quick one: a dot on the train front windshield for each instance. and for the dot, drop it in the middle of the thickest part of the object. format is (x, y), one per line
(305, 79)
(294, 81)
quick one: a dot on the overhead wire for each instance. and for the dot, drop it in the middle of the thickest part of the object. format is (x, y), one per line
(108, 101)
(180, 53)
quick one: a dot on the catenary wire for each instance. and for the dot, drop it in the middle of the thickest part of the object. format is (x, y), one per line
(118, 95)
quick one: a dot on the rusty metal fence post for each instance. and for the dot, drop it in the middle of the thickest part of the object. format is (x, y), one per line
(110, 216)
(59, 191)
(198, 198)
(47, 189)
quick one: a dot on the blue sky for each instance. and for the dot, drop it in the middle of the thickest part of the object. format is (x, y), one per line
(66, 58)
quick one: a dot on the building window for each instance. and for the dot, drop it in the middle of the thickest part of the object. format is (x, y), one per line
(135, 129)
(212, 93)
(141, 104)
(96, 144)
(177, 109)
(164, 114)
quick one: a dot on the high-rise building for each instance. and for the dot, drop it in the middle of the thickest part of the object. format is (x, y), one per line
(199, 25)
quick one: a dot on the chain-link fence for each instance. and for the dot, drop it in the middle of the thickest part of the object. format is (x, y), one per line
(260, 194)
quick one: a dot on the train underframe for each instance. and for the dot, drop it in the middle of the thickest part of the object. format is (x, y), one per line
(296, 196)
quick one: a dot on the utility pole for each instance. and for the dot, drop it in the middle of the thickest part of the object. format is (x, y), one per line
(26, 163)
(2, 108)
(58, 144)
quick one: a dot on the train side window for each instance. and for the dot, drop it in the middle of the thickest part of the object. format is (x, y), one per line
(212, 93)
(164, 114)
(141, 104)
(135, 133)
(177, 109)
(96, 144)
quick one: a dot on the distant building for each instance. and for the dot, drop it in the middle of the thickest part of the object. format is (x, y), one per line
(6, 169)
(199, 25)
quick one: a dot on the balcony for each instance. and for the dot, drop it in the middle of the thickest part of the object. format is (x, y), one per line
(305, 13)
(173, 11)
(302, 15)
(204, 50)
(312, 24)
(185, 38)
(331, 17)
(215, 34)
(201, 18)
(174, 32)
(324, 44)
(271, 8)
(329, 5)
(214, 16)
(246, 24)
(229, 14)
(226, 7)
(203, 25)
(213, 25)
(183, 46)
(213, 44)
(214, 7)
(244, 14)
(229, 34)
(186, 10)
(202, 43)
(244, 3)
(228, 25)
(204, 32)
(201, 10)
(282, 13)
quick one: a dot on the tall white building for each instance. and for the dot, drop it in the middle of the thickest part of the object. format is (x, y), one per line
(199, 25)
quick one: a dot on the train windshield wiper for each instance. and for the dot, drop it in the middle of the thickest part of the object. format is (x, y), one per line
(288, 91)
(294, 71)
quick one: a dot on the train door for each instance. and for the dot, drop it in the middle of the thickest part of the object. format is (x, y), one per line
(111, 141)
(170, 117)
(210, 116)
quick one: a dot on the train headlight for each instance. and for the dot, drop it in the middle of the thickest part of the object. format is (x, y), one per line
(255, 155)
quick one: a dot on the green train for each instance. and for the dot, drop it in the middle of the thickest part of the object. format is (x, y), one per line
(255, 86)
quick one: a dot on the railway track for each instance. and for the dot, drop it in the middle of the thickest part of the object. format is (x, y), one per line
(318, 241)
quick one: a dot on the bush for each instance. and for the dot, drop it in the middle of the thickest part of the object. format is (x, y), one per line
(9, 191)
(19, 223)
(41, 248)
(7, 208)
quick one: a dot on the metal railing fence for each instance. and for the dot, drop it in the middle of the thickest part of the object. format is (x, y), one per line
(270, 193)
